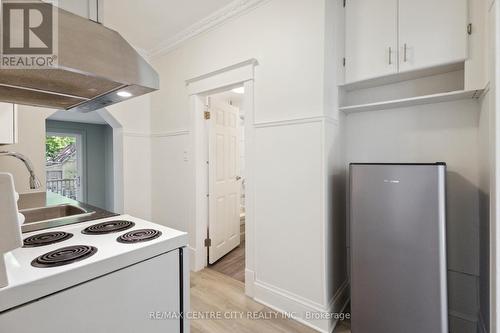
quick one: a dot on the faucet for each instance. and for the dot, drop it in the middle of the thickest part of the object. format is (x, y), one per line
(34, 182)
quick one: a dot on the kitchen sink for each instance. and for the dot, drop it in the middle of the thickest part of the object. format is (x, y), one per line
(53, 213)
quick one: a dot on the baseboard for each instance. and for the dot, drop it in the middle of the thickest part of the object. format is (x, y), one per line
(193, 261)
(285, 302)
(249, 283)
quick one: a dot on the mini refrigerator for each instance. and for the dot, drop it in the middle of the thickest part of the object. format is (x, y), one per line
(398, 248)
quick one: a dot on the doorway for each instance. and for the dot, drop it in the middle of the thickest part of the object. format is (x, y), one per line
(199, 88)
(79, 161)
(226, 183)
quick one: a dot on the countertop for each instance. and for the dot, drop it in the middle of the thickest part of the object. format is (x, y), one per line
(46, 199)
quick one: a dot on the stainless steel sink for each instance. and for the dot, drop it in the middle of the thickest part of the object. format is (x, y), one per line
(53, 214)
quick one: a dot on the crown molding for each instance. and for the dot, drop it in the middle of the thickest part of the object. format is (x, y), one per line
(233, 9)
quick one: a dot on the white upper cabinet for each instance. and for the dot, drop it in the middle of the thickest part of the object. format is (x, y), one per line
(371, 39)
(432, 33)
(8, 124)
(385, 37)
(85, 8)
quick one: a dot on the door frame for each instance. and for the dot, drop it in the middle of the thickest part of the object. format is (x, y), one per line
(240, 74)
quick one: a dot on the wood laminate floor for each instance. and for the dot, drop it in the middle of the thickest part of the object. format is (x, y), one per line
(213, 292)
(232, 264)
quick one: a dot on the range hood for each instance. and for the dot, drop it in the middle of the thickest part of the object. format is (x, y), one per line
(96, 68)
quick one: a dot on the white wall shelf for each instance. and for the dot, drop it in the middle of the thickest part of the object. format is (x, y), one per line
(412, 101)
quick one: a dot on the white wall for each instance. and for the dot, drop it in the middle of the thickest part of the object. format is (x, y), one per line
(287, 39)
(336, 214)
(31, 126)
(447, 132)
(171, 173)
(134, 117)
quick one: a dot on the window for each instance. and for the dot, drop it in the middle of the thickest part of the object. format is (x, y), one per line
(63, 165)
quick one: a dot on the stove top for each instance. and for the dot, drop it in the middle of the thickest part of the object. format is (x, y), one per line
(108, 227)
(64, 256)
(37, 271)
(139, 236)
(47, 238)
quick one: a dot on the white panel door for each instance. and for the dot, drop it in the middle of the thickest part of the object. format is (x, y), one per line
(8, 126)
(224, 180)
(371, 39)
(432, 33)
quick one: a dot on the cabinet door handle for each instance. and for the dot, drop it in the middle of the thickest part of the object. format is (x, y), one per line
(390, 55)
(405, 53)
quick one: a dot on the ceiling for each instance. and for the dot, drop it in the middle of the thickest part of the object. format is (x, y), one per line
(147, 23)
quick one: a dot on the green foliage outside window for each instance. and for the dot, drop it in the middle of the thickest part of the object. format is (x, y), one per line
(54, 144)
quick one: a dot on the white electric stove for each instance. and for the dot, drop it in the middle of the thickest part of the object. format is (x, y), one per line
(119, 274)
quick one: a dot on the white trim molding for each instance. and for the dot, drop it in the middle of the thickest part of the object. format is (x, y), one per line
(295, 121)
(170, 134)
(285, 302)
(232, 10)
(192, 260)
(156, 134)
(249, 283)
(222, 79)
(137, 134)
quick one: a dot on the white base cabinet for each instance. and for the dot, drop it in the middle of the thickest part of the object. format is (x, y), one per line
(145, 297)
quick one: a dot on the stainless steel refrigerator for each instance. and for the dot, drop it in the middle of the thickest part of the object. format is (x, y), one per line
(398, 248)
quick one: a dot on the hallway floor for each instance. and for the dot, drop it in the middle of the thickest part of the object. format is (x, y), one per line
(232, 264)
(212, 291)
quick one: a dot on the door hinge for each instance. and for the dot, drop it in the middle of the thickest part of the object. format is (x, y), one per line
(469, 28)
(343, 62)
(208, 103)
(208, 242)
(344, 3)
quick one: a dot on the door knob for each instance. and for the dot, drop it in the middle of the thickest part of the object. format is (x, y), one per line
(238, 178)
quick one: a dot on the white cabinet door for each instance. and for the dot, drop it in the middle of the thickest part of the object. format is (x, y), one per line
(8, 123)
(371, 39)
(432, 33)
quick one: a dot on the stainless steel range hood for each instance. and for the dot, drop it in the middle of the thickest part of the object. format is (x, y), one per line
(94, 65)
